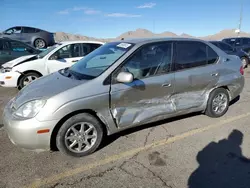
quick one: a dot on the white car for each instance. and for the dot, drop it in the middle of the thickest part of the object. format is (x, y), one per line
(23, 70)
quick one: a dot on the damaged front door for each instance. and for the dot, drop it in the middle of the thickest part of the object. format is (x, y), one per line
(147, 97)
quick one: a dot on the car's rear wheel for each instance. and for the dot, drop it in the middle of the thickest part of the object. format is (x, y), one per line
(39, 43)
(27, 79)
(218, 103)
(80, 135)
(244, 62)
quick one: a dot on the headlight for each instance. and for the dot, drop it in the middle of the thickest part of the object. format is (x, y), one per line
(3, 70)
(30, 109)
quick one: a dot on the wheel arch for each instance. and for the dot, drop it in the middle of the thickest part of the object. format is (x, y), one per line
(26, 72)
(66, 117)
(224, 87)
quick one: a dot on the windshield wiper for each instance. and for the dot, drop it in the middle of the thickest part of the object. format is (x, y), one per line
(66, 72)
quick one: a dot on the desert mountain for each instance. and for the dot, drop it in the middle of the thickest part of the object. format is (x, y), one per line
(144, 33)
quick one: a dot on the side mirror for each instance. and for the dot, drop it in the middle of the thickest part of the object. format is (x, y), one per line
(125, 77)
(53, 57)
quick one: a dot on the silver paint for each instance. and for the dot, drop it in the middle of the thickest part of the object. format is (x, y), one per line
(121, 106)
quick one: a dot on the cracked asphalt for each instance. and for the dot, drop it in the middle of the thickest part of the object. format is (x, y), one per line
(192, 151)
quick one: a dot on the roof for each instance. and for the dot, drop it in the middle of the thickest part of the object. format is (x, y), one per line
(81, 41)
(218, 41)
(157, 39)
(235, 38)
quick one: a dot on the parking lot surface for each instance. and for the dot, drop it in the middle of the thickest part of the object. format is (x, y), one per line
(192, 151)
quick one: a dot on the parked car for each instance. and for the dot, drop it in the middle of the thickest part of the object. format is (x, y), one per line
(120, 85)
(239, 43)
(22, 71)
(12, 49)
(36, 37)
(245, 57)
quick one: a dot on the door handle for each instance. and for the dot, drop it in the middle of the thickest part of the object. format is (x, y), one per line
(214, 74)
(74, 61)
(166, 85)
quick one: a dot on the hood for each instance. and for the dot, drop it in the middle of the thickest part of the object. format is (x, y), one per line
(18, 61)
(46, 87)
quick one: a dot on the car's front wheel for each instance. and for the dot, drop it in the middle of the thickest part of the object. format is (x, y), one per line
(80, 135)
(27, 79)
(218, 103)
(39, 43)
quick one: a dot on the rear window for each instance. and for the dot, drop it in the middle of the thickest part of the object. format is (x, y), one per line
(232, 41)
(28, 30)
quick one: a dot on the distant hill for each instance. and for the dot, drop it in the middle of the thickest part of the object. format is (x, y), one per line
(144, 33)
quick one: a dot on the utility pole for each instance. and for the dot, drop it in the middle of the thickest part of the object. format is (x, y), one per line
(240, 21)
(153, 26)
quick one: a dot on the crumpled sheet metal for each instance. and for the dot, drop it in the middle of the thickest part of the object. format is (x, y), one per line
(146, 109)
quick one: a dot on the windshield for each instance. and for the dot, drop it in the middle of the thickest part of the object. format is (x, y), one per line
(223, 46)
(230, 41)
(100, 59)
(226, 47)
(47, 51)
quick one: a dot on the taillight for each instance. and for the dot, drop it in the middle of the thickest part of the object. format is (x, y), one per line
(242, 70)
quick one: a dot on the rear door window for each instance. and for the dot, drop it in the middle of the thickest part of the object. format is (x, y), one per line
(28, 30)
(190, 54)
(212, 56)
(95, 46)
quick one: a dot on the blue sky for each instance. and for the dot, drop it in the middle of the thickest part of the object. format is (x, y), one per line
(110, 18)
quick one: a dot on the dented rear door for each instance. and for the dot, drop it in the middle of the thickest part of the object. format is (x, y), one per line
(148, 98)
(196, 73)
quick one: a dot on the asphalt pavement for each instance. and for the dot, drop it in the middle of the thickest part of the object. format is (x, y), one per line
(192, 151)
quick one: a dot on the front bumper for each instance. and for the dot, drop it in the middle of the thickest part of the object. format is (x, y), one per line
(23, 133)
(9, 79)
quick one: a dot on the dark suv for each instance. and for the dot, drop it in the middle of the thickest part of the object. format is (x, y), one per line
(239, 43)
(12, 49)
(36, 37)
(245, 58)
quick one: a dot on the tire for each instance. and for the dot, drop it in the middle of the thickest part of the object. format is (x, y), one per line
(244, 62)
(210, 111)
(27, 79)
(77, 121)
(39, 43)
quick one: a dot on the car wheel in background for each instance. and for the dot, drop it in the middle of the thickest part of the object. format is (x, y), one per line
(27, 79)
(80, 135)
(244, 62)
(218, 103)
(39, 43)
